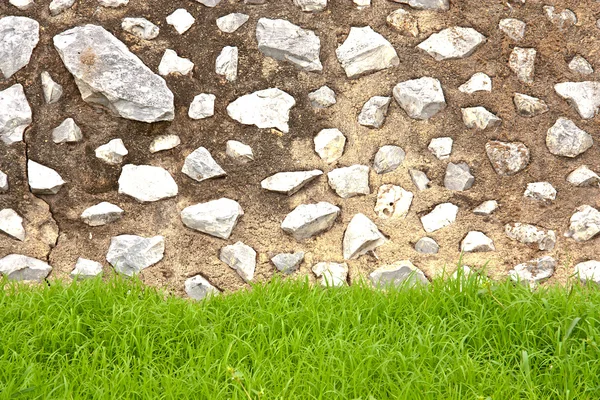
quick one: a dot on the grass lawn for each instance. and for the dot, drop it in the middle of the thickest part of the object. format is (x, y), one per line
(290, 340)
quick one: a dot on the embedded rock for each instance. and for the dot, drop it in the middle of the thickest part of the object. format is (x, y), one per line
(542, 191)
(43, 180)
(15, 114)
(393, 202)
(452, 43)
(522, 62)
(479, 118)
(52, 90)
(140, 27)
(3, 182)
(441, 147)
(399, 274)
(12, 224)
(17, 267)
(200, 166)
(486, 208)
(441, 216)
(216, 218)
(513, 28)
(581, 65)
(322, 98)
(403, 22)
(311, 5)
(374, 111)
(112, 152)
(164, 142)
(329, 144)
(534, 271)
(147, 183)
(288, 262)
(437, 5)
(67, 132)
(565, 139)
(507, 158)
(269, 108)
(350, 181)
(419, 179)
(365, 51)
(22, 4)
(232, 22)
(585, 224)
(427, 245)
(421, 98)
(458, 177)
(528, 106)
(209, 3)
(113, 3)
(86, 269)
(102, 214)
(58, 6)
(583, 176)
(331, 274)
(563, 19)
(388, 158)
(308, 220)
(478, 82)
(361, 236)
(241, 258)
(203, 106)
(477, 242)
(172, 64)
(18, 38)
(239, 152)
(199, 288)
(181, 20)
(531, 234)
(130, 254)
(227, 63)
(583, 96)
(289, 182)
(588, 271)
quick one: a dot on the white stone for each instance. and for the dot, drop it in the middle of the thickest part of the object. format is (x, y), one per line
(531, 234)
(563, 19)
(362, 3)
(86, 269)
(374, 111)
(241, 258)
(441, 216)
(479, 118)
(12, 224)
(478, 82)
(239, 152)
(284, 41)
(513, 28)
(308, 220)
(199, 288)
(124, 85)
(203, 106)
(421, 98)
(130, 254)
(67, 132)
(112, 152)
(17, 267)
(227, 63)
(534, 271)
(217, 218)
(43, 180)
(147, 183)
(289, 182)
(350, 181)
(427, 245)
(584, 224)
(528, 106)
(331, 274)
(486, 208)
(329, 145)
(441, 147)
(288, 262)
(171, 63)
(361, 236)
(522, 62)
(458, 177)
(3, 182)
(181, 20)
(52, 90)
(438, 5)
(22, 4)
(581, 65)
(404, 22)
(269, 108)
(477, 242)
(419, 179)
(140, 27)
(452, 43)
(565, 139)
(209, 3)
(365, 51)
(507, 158)
(58, 6)
(393, 202)
(542, 191)
(583, 176)
(588, 271)
(311, 5)
(113, 3)
(164, 142)
(388, 159)
(322, 98)
(231, 22)
(583, 96)
(399, 274)
(101, 214)
(15, 114)
(200, 166)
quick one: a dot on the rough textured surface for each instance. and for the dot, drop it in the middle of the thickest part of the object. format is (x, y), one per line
(18, 38)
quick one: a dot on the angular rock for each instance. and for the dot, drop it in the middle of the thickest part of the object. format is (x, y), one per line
(199, 288)
(239, 152)
(241, 258)
(565, 139)
(534, 271)
(203, 106)
(437, 5)
(22, 4)
(427, 245)
(181, 20)
(232, 22)
(200, 166)
(479, 118)
(322, 98)
(393, 202)
(350, 181)
(308, 220)
(361, 236)
(130, 254)
(59, 6)
(365, 51)
(403, 22)
(113, 3)
(362, 3)
(329, 145)
(101, 214)
(3, 182)
(486, 208)
(331, 274)
(112, 152)
(43, 180)
(227, 63)
(441, 147)
(12, 224)
(563, 19)
(124, 85)
(513, 28)
(52, 90)
(588, 271)
(172, 64)
(531, 234)
(164, 142)
(542, 191)
(209, 3)
(458, 177)
(583, 176)
(421, 98)
(288, 262)
(477, 242)
(17, 267)
(581, 65)
(15, 114)
(311, 5)
(147, 183)
(18, 38)
(507, 158)
(374, 111)
(67, 132)
(399, 274)
(269, 108)
(284, 41)
(479, 82)
(584, 224)
(86, 269)
(452, 43)
(388, 158)
(441, 216)
(528, 106)
(140, 27)
(217, 218)
(289, 182)
(583, 96)
(522, 62)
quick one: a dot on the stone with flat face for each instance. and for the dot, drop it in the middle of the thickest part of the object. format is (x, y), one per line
(308, 220)
(331, 274)
(365, 51)
(399, 274)
(421, 98)
(583, 176)
(217, 218)
(585, 224)
(181, 20)
(458, 177)
(17, 267)
(393, 202)
(227, 63)
(452, 43)
(130, 254)
(112, 152)
(350, 181)
(361, 236)
(588, 271)
(479, 118)
(67, 132)
(531, 234)
(239, 152)
(289, 182)
(329, 144)
(522, 62)
(541, 191)
(583, 96)
(15, 114)
(288, 262)
(565, 139)
(101, 214)
(147, 183)
(528, 106)
(441, 216)
(18, 38)
(479, 82)
(172, 64)
(52, 90)
(86, 269)
(200, 166)
(437, 5)
(11, 223)
(388, 158)
(507, 158)
(374, 111)
(43, 180)
(513, 28)
(140, 27)
(533, 272)
(240, 257)
(269, 108)
(477, 242)
(199, 288)
(231, 22)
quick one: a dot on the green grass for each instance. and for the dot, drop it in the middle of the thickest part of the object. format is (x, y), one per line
(289, 340)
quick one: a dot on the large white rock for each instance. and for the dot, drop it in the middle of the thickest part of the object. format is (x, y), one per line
(583, 176)
(365, 51)
(534, 271)
(437, 5)
(203, 106)
(479, 118)
(15, 114)
(18, 38)
(268, 108)
(140, 27)
(239, 152)
(227, 63)
(441, 147)
(393, 202)
(331, 274)
(308, 220)
(216, 217)
(289, 182)
(478, 82)
(231, 22)
(421, 98)
(458, 177)
(171, 63)
(399, 274)
(101, 214)
(531, 234)
(130, 254)
(17, 267)
(441, 216)
(67, 132)
(200, 166)
(11, 223)
(199, 288)
(107, 73)
(584, 224)
(388, 158)
(181, 20)
(329, 144)
(583, 96)
(112, 152)
(522, 62)
(542, 191)
(374, 111)
(477, 242)
(43, 180)
(147, 183)
(3, 182)
(452, 43)
(52, 90)
(361, 236)
(240, 257)
(350, 181)
(284, 41)
(588, 271)
(565, 139)
(311, 5)
(86, 269)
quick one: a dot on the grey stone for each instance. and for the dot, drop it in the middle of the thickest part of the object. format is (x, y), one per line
(269, 108)
(18, 38)
(421, 98)
(393, 202)
(130, 254)
(11, 223)
(419, 179)
(331, 274)
(388, 158)
(147, 183)
(17, 267)
(203, 106)
(479, 118)
(565, 139)
(124, 85)
(477, 242)
(140, 27)
(308, 220)
(403, 22)
(513, 28)
(172, 64)
(458, 177)
(507, 158)
(22, 4)
(361, 236)
(15, 114)
(437, 5)
(59, 6)
(227, 63)
(374, 111)
(533, 272)
(239, 152)
(531, 234)
(486, 208)
(181, 20)
(588, 271)
(322, 98)
(583, 96)
(43, 180)
(441, 147)
(199, 288)
(217, 218)
(288, 262)
(478, 82)
(350, 181)
(362, 3)
(86, 269)
(399, 274)
(563, 19)
(289, 182)
(581, 65)
(209, 3)
(311, 5)
(522, 62)
(284, 41)
(441, 216)
(583, 176)
(365, 51)
(452, 43)
(101, 214)
(584, 224)
(200, 166)
(112, 152)
(541, 191)
(232, 22)
(241, 258)
(3, 182)
(427, 245)
(164, 142)
(528, 106)
(329, 145)
(52, 90)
